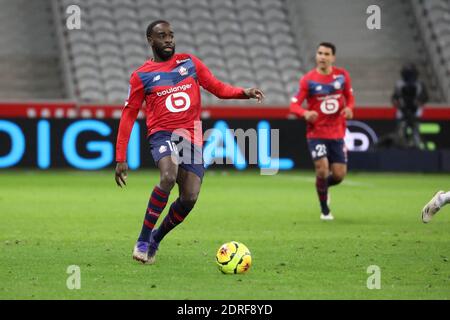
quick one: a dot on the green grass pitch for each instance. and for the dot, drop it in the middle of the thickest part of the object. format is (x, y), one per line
(51, 220)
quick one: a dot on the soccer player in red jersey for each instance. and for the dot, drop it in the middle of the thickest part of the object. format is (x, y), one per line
(170, 86)
(330, 102)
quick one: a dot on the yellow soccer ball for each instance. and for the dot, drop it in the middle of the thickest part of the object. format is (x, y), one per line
(233, 257)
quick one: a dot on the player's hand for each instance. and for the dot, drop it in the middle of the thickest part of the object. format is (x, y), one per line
(311, 116)
(347, 113)
(254, 93)
(121, 173)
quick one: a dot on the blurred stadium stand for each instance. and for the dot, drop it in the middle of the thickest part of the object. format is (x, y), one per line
(373, 57)
(433, 18)
(265, 43)
(29, 55)
(247, 43)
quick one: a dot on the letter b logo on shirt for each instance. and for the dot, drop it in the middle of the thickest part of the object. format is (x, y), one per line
(329, 106)
(178, 102)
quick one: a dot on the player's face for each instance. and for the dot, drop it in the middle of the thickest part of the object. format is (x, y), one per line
(324, 57)
(162, 41)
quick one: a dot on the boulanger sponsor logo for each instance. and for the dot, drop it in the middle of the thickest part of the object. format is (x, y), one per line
(359, 136)
(178, 102)
(184, 87)
(336, 96)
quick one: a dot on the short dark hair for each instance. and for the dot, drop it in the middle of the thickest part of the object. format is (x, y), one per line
(328, 45)
(153, 24)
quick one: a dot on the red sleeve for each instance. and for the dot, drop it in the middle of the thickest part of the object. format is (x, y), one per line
(127, 120)
(348, 91)
(136, 93)
(296, 102)
(212, 84)
(130, 112)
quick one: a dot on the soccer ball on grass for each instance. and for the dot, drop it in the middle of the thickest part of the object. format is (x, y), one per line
(233, 257)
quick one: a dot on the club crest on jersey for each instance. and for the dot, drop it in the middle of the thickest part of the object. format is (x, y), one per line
(337, 85)
(183, 71)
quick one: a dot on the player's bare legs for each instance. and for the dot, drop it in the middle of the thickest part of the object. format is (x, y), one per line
(189, 188)
(168, 170)
(322, 168)
(338, 173)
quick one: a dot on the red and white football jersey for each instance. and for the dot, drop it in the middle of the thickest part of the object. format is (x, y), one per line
(327, 95)
(171, 92)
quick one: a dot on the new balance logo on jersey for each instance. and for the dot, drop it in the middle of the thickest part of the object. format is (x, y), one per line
(184, 87)
(157, 78)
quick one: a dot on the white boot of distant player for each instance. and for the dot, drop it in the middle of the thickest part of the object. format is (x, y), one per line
(440, 199)
(326, 217)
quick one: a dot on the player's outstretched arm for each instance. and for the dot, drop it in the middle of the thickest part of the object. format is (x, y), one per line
(255, 93)
(220, 89)
(121, 173)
